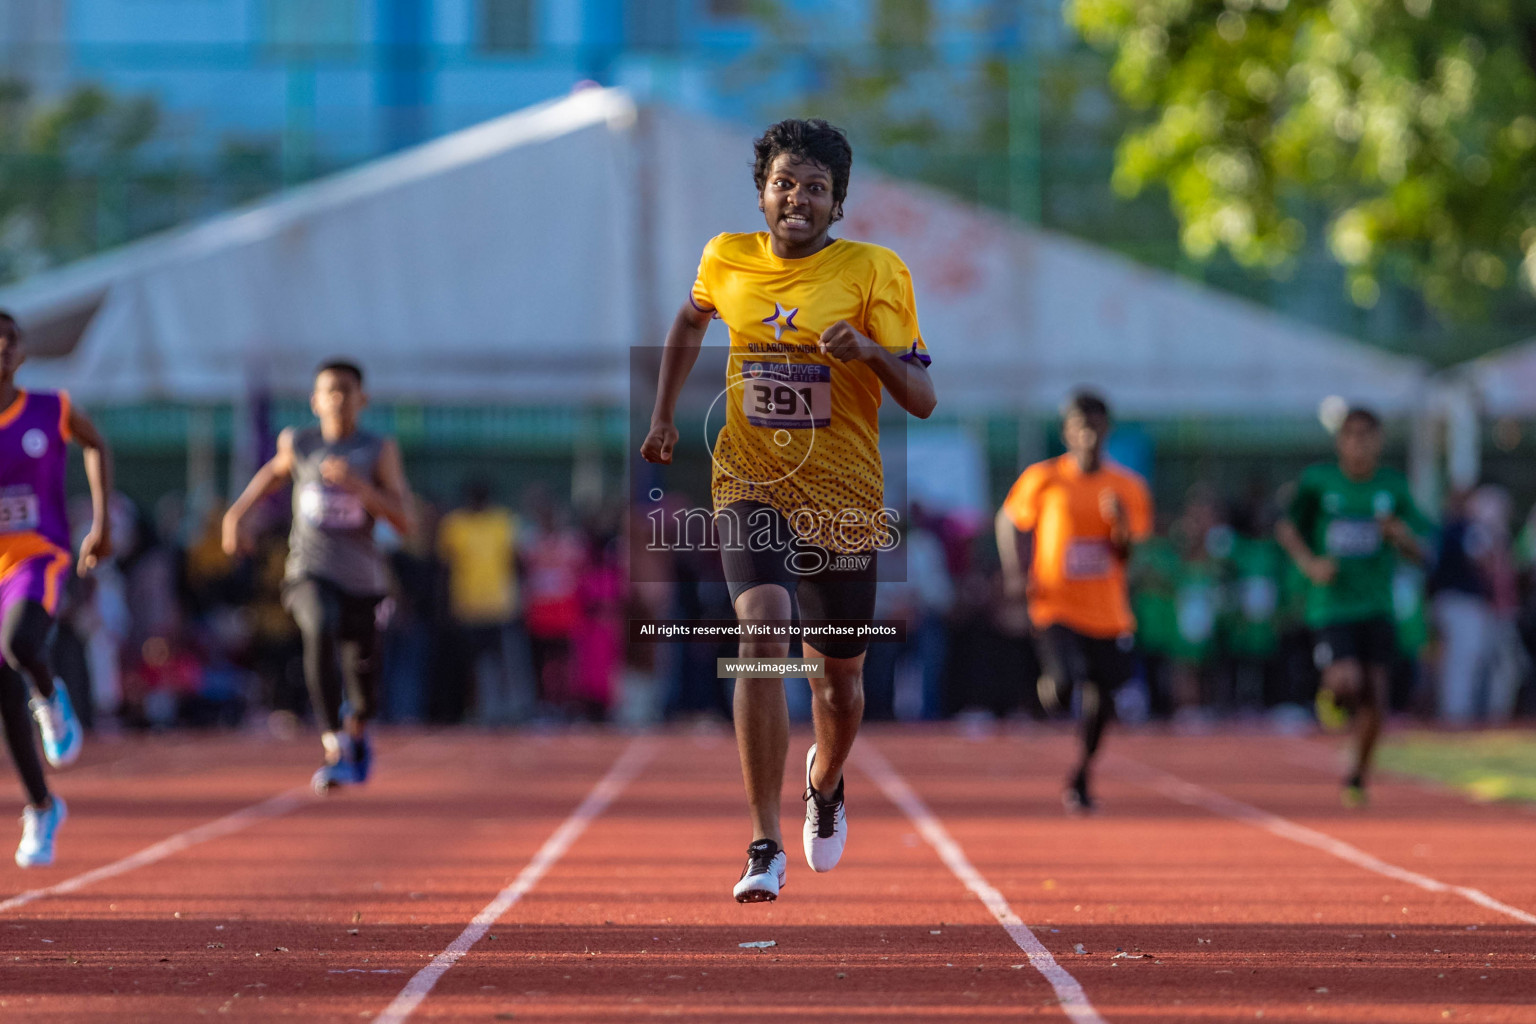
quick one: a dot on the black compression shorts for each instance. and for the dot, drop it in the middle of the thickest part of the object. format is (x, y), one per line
(757, 546)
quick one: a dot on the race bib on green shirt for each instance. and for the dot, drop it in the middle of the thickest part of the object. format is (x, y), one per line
(1352, 538)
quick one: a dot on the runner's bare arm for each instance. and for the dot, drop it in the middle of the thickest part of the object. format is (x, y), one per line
(1121, 537)
(1013, 546)
(394, 490)
(1407, 543)
(677, 359)
(97, 544)
(1319, 570)
(268, 478)
(907, 381)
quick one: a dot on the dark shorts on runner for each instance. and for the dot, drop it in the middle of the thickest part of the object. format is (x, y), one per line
(1070, 659)
(823, 585)
(1371, 642)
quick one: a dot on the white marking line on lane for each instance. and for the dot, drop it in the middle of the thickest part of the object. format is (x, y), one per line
(1191, 795)
(275, 807)
(596, 802)
(1074, 1001)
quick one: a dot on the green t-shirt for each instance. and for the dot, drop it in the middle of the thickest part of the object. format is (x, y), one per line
(1197, 597)
(1412, 622)
(1153, 574)
(1340, 518)
(1251, 624)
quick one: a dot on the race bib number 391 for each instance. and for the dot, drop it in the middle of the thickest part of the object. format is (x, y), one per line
(787, 396)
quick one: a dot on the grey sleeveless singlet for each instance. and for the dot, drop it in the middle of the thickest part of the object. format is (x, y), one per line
(332, 537)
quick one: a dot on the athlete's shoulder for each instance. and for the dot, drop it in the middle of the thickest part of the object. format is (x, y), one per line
(1036, 478)
(1125, 474)
(736, 245)
(1040, 472)
(1319, 474)
(304, 439)
(878, 257)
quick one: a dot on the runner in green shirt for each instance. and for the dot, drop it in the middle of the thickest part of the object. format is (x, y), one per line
(1345, 529)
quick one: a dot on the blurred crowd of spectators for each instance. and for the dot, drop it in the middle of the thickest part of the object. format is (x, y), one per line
(499, 618)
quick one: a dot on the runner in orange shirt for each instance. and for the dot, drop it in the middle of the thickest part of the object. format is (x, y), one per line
(1065, 534)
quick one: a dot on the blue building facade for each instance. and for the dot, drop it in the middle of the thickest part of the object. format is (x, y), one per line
(334, 81)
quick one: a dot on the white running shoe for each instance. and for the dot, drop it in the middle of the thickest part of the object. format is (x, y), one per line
(826, 823)
(763, 876)
(38, 829)
(59, 726)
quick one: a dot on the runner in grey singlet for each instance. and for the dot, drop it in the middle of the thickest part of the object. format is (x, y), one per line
(332, 536)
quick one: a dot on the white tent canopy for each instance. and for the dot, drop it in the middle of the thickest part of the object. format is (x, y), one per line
(1503, 383)
(519, 261)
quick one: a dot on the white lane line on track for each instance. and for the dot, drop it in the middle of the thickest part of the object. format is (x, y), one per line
(1074, 1001)
(623, 772)
(1191, 795)
(274, 807)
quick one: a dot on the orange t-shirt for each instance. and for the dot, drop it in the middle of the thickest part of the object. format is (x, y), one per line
(1076, 579)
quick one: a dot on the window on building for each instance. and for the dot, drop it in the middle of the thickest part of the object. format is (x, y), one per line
(312, 22)
(728, 8)
(507, 26)
(651, 24)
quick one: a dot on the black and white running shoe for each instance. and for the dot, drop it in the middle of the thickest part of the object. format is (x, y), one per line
(826, 822)
(763, 876)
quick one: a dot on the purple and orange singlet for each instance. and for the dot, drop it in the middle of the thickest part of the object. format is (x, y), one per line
(34, 522)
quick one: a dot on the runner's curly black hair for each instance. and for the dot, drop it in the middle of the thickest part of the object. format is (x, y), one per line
(9, 328)
(814, 140)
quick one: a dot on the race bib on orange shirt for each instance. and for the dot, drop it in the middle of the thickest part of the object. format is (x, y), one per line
(1088, 560)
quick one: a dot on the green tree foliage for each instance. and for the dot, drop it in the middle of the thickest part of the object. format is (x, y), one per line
(56, 159)
(1413, 122)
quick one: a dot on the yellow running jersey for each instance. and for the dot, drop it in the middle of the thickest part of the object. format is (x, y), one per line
(801, 428)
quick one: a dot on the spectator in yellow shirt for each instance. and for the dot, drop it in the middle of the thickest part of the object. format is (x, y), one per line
(478, 544)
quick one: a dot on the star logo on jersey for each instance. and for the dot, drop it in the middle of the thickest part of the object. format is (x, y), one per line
(782, 320)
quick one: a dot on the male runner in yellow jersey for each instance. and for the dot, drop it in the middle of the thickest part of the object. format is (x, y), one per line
(818, 327)
(1080, 515)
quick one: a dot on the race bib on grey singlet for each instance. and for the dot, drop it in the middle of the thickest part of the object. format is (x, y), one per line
(787, 396)
(19, 511)
(331, 509)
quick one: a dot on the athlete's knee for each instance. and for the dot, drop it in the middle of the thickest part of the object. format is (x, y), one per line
(841, 689)
(760, 647)
(22, 642)
(1344, 679)
(1094, 706)
(766, 602)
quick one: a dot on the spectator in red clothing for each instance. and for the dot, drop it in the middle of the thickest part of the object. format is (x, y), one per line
(553, 557)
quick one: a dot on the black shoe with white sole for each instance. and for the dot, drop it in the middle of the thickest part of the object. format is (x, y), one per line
(763, 876)
(1076, 798)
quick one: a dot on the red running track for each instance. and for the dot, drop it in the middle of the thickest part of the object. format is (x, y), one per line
(1249, 895)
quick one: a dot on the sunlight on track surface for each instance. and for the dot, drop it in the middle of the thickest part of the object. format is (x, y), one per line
(327, 911)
